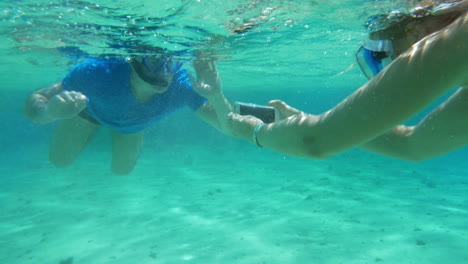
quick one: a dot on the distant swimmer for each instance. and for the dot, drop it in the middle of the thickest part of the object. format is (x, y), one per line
(126, 96)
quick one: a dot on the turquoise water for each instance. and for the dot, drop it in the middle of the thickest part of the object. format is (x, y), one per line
(195, 195)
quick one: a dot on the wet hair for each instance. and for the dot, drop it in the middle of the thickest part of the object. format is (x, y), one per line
(393, 25)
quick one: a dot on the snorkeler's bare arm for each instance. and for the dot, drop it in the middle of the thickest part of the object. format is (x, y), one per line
(405, 87)
(52, 103)
(443, 130)
(207, 113)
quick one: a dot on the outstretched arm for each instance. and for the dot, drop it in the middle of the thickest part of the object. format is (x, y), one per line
(53, 103)
(405, 87)
(443, 130)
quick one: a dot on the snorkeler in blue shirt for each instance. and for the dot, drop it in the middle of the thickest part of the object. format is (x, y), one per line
(125, 95)
(111, 101)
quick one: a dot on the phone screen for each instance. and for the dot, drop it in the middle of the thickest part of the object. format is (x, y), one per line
(265, 113)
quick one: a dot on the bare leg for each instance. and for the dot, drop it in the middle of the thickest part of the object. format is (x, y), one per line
(444, 130)
(69, 139)
(126, 149)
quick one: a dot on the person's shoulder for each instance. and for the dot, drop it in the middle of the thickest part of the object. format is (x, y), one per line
(92, 71)
(101, 65)
(99, 68)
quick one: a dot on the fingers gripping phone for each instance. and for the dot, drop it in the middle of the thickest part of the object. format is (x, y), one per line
(267, 114)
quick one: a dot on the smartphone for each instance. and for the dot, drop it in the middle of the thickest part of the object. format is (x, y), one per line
(267, 114)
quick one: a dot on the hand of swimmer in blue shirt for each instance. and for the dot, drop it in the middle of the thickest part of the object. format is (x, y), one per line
(208, 84)
(66, 104)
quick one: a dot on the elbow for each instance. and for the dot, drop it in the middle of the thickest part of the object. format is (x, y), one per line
(319, 156)
(416, 159)
(312, 150)
(34, 109)
(32, 115)
(29, 113)
(415, 156)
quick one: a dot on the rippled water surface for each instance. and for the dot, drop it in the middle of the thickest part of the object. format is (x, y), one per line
(311, 42)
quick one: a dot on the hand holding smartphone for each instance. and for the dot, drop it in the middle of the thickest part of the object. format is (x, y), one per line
(267, 114)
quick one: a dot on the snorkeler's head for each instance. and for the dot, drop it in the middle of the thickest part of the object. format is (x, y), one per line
(157, 70)
(393, 33)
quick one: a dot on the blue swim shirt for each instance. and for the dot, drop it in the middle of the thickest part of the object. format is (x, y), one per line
(106, 84)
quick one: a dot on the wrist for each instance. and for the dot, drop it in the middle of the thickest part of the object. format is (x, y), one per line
(215, 96)
(255, 134)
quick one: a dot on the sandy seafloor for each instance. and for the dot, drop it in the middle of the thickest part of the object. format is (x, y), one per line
(199, 197)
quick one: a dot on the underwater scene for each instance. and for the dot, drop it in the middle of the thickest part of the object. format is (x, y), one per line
(194, 194)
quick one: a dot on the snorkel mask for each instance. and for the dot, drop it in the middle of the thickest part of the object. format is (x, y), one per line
(373, 56)
(160, 64)
(155, 70)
